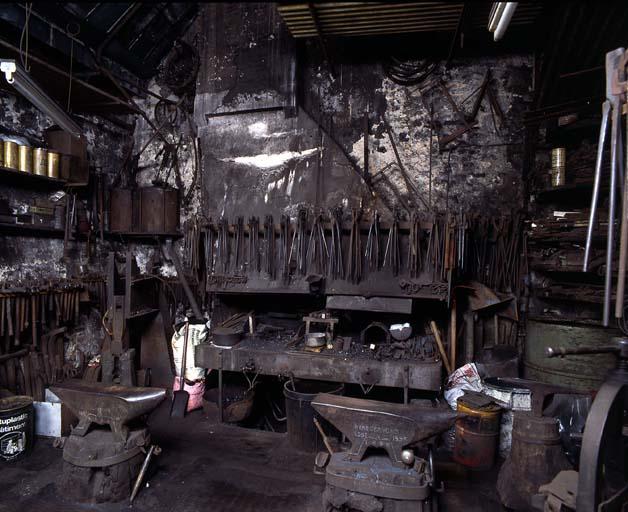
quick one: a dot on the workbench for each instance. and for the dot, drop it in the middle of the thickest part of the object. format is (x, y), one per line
(269, 357)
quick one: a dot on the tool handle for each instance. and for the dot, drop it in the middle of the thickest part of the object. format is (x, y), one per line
(568, 351)
(184, 356)
(172, 253)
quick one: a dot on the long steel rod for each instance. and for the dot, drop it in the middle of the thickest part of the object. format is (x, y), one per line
(611, 217)
(606, 107)
(623, 242)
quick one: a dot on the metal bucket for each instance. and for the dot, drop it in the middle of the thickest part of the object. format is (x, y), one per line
(16, 427)
(583, 373)
(477, 435)
(302, 432)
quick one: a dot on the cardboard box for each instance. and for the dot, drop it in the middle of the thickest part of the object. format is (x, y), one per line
(52, 418)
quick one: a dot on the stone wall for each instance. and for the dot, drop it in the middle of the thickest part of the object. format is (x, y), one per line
(261, 155)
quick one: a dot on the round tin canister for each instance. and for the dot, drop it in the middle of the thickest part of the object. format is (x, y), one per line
(53, 164)
(477, 435)
(558, 166)
(40, 161)
(10, 154)
(16, 427)
(25, 158)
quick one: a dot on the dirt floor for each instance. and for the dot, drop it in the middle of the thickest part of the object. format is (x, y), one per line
(208, 466)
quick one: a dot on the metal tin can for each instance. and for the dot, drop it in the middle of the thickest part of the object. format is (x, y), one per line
(66, 167)
(477, 435)
(25, 158)
(558, 166)
(53, 164)
(40, 161)
(10, 154)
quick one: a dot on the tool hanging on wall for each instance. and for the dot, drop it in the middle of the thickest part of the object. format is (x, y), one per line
(392, 254)
(336, 259)
(372, 253)
(616, 89)
(285, 246)
(317, 251)
(354, 259)
(269, 240)
(254, 253)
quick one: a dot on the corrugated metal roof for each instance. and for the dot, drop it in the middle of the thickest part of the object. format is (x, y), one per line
(378, 18)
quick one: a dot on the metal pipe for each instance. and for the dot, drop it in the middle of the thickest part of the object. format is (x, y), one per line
(610, 232)
(606, 107)
(623, 239)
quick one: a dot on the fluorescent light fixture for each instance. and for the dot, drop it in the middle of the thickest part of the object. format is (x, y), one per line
(22, 81)
(499, 18)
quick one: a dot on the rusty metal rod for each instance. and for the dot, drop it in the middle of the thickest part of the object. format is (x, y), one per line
(623, 242)
(606, 107)
(610, 231)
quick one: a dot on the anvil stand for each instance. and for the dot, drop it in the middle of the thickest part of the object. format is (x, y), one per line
(104, 454)
(381, 472)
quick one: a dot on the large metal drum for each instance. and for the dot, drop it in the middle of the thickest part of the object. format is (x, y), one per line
(584, 373)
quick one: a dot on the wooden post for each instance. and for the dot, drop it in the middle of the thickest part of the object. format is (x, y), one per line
(453, 335)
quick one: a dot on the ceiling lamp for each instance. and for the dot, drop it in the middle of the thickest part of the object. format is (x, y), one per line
(499, 18)
(22, 81)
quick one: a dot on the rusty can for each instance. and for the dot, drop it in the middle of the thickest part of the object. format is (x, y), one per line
(65, 169)
(10, 154)
(25, 158)
(159, 210)
(53, 164)
(559, 156)
(40, 161)
(171, 210)
(121, 210)
(477, 434)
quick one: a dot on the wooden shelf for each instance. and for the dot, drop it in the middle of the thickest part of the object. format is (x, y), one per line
(25, 179)
(568, 193)
(141, 237)
(30, 230)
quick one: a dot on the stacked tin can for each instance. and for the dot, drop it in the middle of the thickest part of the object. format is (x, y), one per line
(22, 157)
(558, 167)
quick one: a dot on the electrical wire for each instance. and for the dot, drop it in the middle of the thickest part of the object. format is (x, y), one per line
(73, 34)
(407, 73)
(24, 38)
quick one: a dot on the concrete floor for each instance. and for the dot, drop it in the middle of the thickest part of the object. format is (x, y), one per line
(208, 466)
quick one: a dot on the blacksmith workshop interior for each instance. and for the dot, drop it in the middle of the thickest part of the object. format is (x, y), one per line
(314, 257)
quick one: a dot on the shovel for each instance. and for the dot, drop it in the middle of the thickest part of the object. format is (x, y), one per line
(180, 398)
